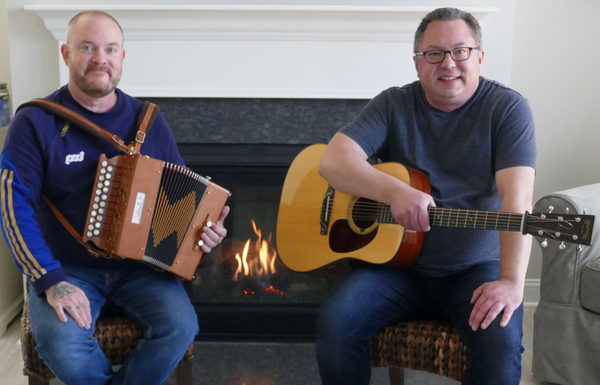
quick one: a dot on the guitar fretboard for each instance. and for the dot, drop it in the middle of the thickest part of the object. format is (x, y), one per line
(468, 219)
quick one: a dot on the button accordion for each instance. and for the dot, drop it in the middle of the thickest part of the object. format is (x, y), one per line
(152, 211)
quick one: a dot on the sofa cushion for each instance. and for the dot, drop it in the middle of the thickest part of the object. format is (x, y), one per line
(590, 286)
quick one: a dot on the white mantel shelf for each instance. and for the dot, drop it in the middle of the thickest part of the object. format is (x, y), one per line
(231, 22)
(259, 51)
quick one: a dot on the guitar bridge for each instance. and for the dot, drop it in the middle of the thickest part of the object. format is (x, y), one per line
(326, 209)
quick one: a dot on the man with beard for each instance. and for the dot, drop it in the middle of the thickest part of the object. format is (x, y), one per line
(42, 156)
(474, 139)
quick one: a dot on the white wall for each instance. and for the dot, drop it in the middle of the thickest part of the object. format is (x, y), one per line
(11, 299)
(547, 40)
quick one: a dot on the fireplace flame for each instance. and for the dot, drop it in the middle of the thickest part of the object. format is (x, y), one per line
(257, 259)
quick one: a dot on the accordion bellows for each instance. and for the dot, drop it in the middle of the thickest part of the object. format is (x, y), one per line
(152, 211)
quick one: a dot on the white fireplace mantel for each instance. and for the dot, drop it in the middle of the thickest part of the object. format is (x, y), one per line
(259, 51)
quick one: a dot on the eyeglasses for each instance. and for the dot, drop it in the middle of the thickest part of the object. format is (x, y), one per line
(438, 55)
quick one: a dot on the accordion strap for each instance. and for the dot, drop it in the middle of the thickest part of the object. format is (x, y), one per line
(91, 249)
(79, 121)
(145, 119)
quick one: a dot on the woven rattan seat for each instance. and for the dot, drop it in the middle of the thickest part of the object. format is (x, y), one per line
(431, 346)
(117, 336)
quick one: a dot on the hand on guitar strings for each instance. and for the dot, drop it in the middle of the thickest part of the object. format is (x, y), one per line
(409, 209)
(214, 234)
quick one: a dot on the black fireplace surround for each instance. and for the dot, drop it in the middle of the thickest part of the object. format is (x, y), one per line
(246, 146)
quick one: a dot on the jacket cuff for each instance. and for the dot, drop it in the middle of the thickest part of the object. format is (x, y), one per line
(49, 279)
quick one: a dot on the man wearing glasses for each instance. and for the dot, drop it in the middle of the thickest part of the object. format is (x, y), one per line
(474, 139)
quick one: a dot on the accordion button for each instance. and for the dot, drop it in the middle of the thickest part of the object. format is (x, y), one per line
(108, 175)
(96, 199)
(89, 234)
(109, 168)
(106, 183)
(99, 218)
(95, 206)
(93, 213)
(98, 224)
(104, 197)
(102, 171)
(100, 211)
(91, 227)
(201, 243)
(99, 185)
(92, 220)
(104, 163)
(98, 191)
(96, 232)
(209, 224)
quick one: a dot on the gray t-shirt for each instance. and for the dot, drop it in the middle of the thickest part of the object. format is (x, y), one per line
(459, 151)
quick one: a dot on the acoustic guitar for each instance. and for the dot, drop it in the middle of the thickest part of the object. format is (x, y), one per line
(318, 228)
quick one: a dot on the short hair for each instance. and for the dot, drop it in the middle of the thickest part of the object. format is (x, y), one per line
(448, 14)
(91, 12)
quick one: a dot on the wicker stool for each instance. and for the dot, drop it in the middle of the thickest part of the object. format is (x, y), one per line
(117, 336)
(431, 346)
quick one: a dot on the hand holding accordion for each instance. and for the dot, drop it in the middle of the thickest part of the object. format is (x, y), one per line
(152, 211)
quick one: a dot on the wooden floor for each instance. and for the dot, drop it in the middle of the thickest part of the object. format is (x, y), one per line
(11, 364)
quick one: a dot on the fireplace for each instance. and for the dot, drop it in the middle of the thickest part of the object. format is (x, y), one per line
(247, 146)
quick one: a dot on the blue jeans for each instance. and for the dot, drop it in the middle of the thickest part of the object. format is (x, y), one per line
(157, 301)
(373, 297)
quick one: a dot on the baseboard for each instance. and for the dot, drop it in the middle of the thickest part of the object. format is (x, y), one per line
(531, 296)
(9, 314)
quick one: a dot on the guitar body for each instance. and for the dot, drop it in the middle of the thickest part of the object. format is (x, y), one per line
(300, 242)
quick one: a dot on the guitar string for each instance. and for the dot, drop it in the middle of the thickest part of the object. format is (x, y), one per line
(460, 217)
(374, 207)
(433, 211)
(370, 208)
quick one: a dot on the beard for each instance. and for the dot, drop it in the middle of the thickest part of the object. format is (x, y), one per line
(89, 87)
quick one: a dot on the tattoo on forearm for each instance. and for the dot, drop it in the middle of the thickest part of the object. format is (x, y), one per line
(62, 291)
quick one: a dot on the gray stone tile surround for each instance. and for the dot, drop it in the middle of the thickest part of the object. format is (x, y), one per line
(257, 120)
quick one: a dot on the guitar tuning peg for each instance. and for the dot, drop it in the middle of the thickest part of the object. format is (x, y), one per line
(566, 210)
(562, 246)
(544, 244)
(579, 248)
(550, 209)
(584, 211)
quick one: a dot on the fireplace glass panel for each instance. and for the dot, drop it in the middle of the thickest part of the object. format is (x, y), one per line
(255, 200)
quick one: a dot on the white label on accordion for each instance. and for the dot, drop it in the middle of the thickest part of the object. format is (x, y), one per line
(138, 208)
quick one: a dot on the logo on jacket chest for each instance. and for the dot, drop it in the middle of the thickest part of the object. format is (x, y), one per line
(71, 158)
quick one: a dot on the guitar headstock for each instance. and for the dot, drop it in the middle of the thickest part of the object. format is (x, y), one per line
(571, 228)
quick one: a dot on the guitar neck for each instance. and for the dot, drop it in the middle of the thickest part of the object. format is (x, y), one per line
(468, 219)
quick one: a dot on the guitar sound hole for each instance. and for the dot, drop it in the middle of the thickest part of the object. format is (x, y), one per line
(364, 213)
